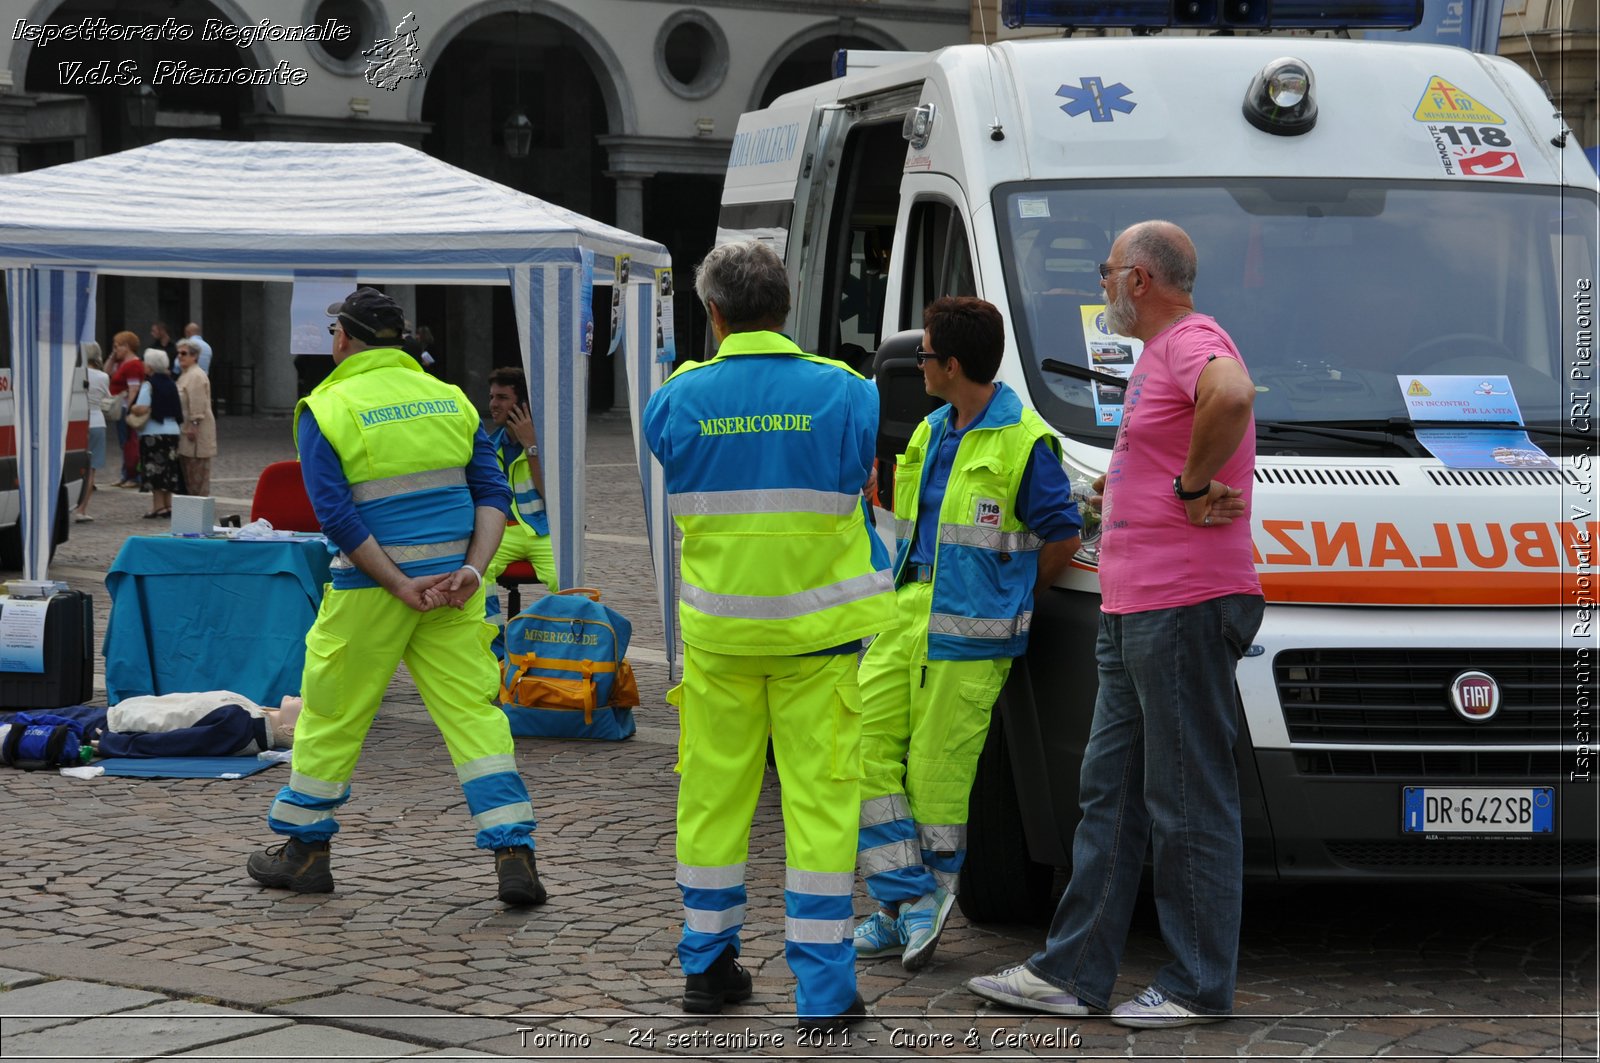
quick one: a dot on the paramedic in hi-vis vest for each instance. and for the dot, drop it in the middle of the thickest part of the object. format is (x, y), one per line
(766, 449)
(516, 447)
(405, 483)
(984, 520)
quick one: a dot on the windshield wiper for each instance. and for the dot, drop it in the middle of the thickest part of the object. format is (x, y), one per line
(1055, 365)
(1375, 437)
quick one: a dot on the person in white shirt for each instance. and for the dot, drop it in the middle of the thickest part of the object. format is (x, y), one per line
(99, 394)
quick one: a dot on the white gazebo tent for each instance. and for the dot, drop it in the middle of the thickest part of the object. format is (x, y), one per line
(281, 211)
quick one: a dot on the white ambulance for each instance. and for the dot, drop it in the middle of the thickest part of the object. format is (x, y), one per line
(1371, 219)
(75, 462)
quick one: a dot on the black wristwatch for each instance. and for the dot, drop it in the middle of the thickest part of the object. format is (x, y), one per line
(1189, 496)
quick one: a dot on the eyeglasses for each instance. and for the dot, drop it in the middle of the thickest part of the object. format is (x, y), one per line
(333, 327)
(1107, 269)
(923, 356)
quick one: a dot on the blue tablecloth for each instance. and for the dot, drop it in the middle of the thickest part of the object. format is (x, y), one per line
(211, 614)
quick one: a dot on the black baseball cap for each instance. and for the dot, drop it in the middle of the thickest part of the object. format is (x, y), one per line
(371, 317)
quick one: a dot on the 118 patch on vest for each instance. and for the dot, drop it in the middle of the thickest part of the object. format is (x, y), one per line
(988, 513)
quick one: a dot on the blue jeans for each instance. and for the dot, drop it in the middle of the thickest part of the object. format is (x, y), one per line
(1159, 768)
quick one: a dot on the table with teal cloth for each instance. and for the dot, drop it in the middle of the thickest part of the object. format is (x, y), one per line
(192, 614)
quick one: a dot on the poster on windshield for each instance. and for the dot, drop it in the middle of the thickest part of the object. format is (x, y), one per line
(1108, 353)
(1487, 410)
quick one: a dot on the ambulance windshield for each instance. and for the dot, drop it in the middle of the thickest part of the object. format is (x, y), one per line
(1331, 289)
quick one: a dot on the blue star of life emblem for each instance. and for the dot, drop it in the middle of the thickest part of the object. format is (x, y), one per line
(1096, 97)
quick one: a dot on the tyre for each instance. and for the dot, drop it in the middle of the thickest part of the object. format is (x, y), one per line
(11, 538)
(1000, 882)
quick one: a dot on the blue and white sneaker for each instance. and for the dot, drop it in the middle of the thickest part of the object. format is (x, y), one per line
(878, 935)
(1019, 987)
(923, 922)
(1151, 1010)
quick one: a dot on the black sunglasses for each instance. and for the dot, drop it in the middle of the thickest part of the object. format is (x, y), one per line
(923, 356)
(333, 326)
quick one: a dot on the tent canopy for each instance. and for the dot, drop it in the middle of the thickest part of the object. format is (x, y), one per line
(275, 211)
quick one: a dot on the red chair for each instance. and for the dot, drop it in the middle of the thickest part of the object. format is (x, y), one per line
(281, 498)
(517, 575)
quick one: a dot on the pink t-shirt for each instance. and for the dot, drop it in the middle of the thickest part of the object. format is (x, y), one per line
(1151, 557)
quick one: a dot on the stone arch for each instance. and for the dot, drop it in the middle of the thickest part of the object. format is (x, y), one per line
(842, 27)
(607, 69)
(267, 97)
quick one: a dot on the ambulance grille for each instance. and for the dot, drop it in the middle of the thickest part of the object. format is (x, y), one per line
(1400, 697)
(1503, 477)
(1430, 763)
(1324, 477)
(1463, 853)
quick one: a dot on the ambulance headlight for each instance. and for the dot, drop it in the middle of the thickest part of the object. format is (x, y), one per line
(1280, 99)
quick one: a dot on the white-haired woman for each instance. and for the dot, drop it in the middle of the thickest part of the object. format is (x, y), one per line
(198, 444)
(158, 439)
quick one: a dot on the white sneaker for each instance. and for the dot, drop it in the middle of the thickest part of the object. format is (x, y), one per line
(1021, 988)
(1151, 1010)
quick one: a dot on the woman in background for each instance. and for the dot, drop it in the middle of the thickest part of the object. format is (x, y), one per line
(198, 443)
(99, 385)
(158, 439)
(127, 374)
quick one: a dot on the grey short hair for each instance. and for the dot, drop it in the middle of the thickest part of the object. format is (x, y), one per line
(1166, 251)
(156, 360)
(91, 353)
(748, 283)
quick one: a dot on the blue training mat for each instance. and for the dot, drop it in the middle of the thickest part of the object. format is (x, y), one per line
(183, 767)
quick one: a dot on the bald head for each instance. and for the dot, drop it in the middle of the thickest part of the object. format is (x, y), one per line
(1164, 250)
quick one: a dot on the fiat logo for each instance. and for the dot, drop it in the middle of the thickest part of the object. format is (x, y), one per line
(1475, 696)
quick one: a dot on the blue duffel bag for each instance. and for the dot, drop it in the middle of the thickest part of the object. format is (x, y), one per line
(565, 675)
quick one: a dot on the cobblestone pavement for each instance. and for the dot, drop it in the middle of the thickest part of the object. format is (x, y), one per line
(127, 900)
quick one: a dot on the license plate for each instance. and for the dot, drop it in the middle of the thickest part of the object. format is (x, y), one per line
(1478, 810)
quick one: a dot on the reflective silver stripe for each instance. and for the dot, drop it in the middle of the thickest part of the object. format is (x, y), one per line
(947, 879)
(705, 921)
(320, 788)
(817, 931)
(786, 606)
(881, 858)
(416, 552)
(711, 878)
(491, 765)
(528, 509)
(520, 812)
(299, 815)
(989, 538)
(942, 836)
(885, 809)
(766, 500)
(904, 528)
(406, 483)
(820, 883)
(973, 627)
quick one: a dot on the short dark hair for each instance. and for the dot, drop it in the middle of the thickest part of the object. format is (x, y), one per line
(509, 376)
(970, 329)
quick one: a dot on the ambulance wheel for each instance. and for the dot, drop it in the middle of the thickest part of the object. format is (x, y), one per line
(11, 538)
(1000, 882)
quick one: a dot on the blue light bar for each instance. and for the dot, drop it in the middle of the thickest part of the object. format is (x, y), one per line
(1371, 14)
(1220, 14)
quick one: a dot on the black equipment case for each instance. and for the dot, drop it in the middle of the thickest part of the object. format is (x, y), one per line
(68, 676)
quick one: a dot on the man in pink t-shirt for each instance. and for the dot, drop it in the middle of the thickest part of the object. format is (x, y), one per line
(1180, 605)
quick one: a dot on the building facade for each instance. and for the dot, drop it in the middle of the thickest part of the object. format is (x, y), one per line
(623, 110)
